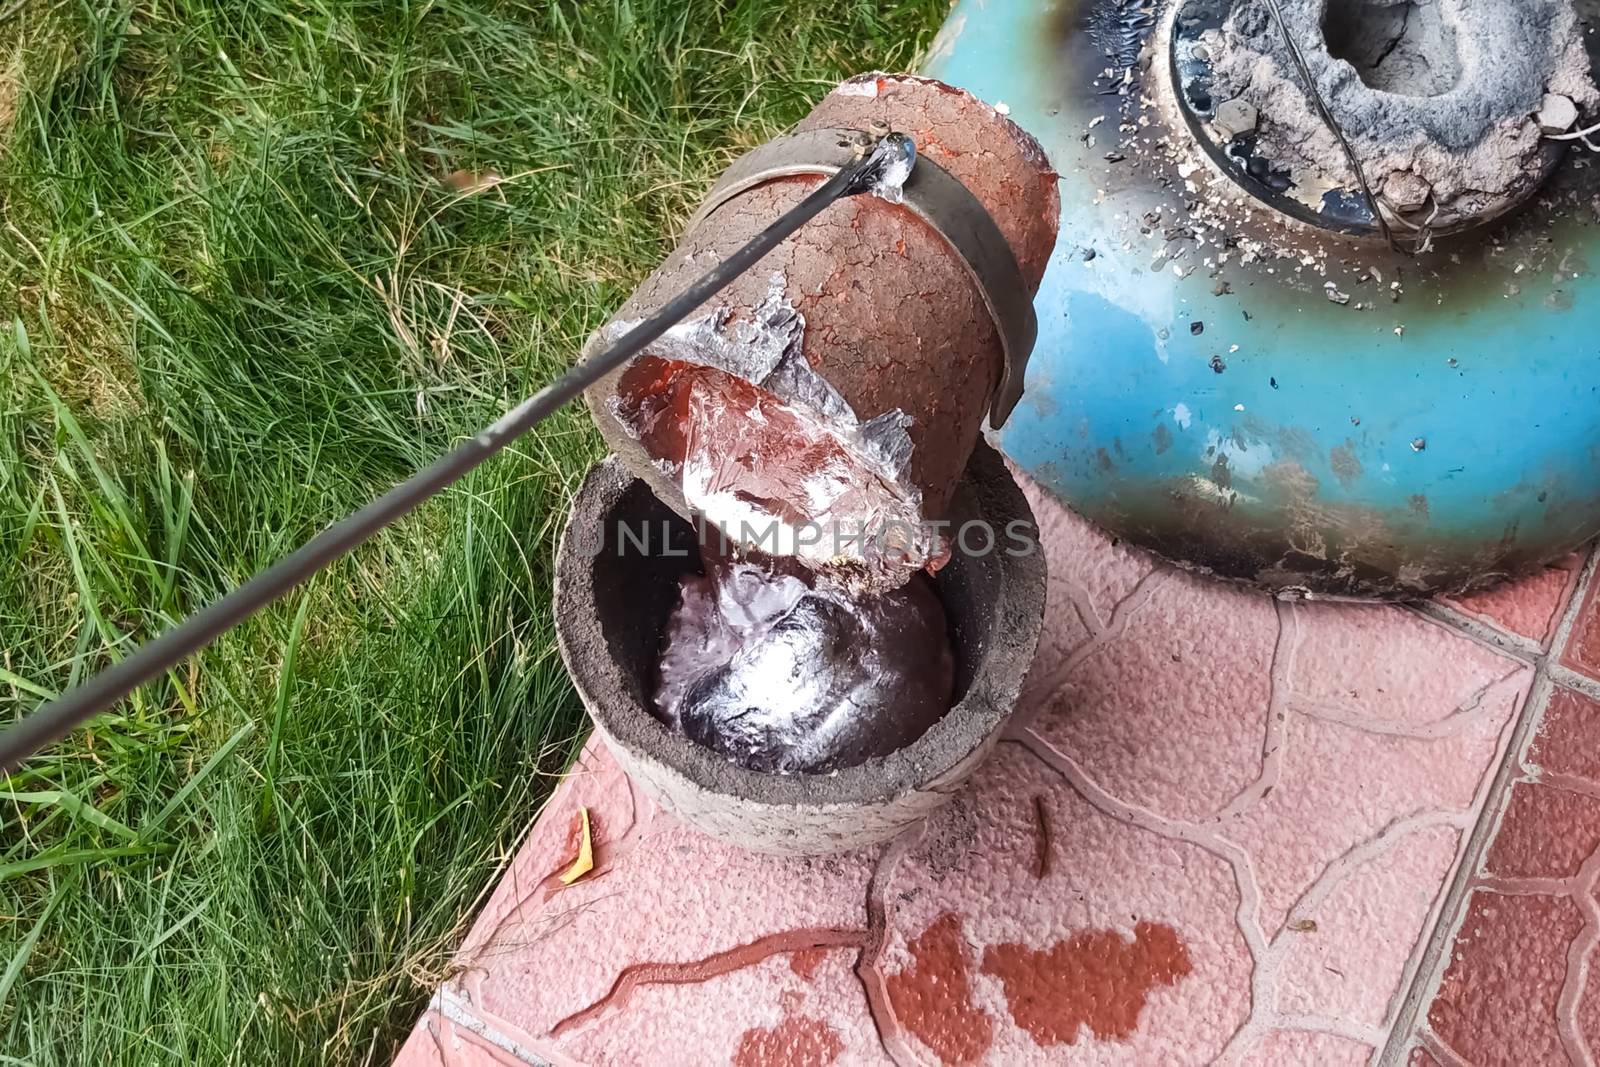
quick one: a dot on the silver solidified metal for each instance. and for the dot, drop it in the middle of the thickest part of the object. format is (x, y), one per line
(900, 156)
(784, 678)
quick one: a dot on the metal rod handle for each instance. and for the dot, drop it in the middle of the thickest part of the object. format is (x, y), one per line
(154, 658)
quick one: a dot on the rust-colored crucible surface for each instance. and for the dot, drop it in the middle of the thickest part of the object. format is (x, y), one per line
(893, 317)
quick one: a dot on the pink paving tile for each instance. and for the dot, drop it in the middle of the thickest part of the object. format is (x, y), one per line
(1581, 996)
(1344, 954)
(790, 1011)
(1369, 664)
(1334, 755)
(1544, 833)
(1223, 833)
(1568, 741)
(1100, 581)
(1072, 933)
(1515, 985)
(1497, 1002)
(617, 819)
(1421, 1057)
(1084, 592)
(1527, 608)
(676, 909)
(1277, 1048)
(1343, 791)
(1069, 608)
(1184, 684)
(1582, 652)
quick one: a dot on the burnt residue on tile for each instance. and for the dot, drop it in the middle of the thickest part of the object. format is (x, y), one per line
(1094, 981)
(932, 998)
(794, 1042)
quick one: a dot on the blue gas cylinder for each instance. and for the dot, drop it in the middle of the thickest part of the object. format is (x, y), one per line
(1275, 401)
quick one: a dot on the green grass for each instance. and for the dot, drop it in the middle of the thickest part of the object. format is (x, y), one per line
(237, 298)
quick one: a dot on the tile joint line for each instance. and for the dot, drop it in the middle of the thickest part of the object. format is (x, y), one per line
(457, 1010)
(1424, 980)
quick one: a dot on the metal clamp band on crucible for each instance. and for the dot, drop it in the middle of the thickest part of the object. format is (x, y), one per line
(938, 198)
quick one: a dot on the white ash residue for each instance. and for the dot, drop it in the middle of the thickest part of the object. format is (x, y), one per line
(1164, 207)
(1448, 142)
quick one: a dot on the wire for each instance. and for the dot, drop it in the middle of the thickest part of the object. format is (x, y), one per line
(1578, 135)
(148, 662)
(1333, 126)
(1574, 135)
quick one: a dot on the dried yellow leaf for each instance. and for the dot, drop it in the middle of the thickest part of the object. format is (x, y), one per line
(468, 183)
(585, 861)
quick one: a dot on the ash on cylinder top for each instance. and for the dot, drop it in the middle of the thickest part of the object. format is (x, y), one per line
(784, 677)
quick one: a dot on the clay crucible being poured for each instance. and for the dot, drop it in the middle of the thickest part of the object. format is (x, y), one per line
(825, 406)
(813, 422)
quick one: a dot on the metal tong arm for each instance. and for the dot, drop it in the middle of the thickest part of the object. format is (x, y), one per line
(152, 659)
